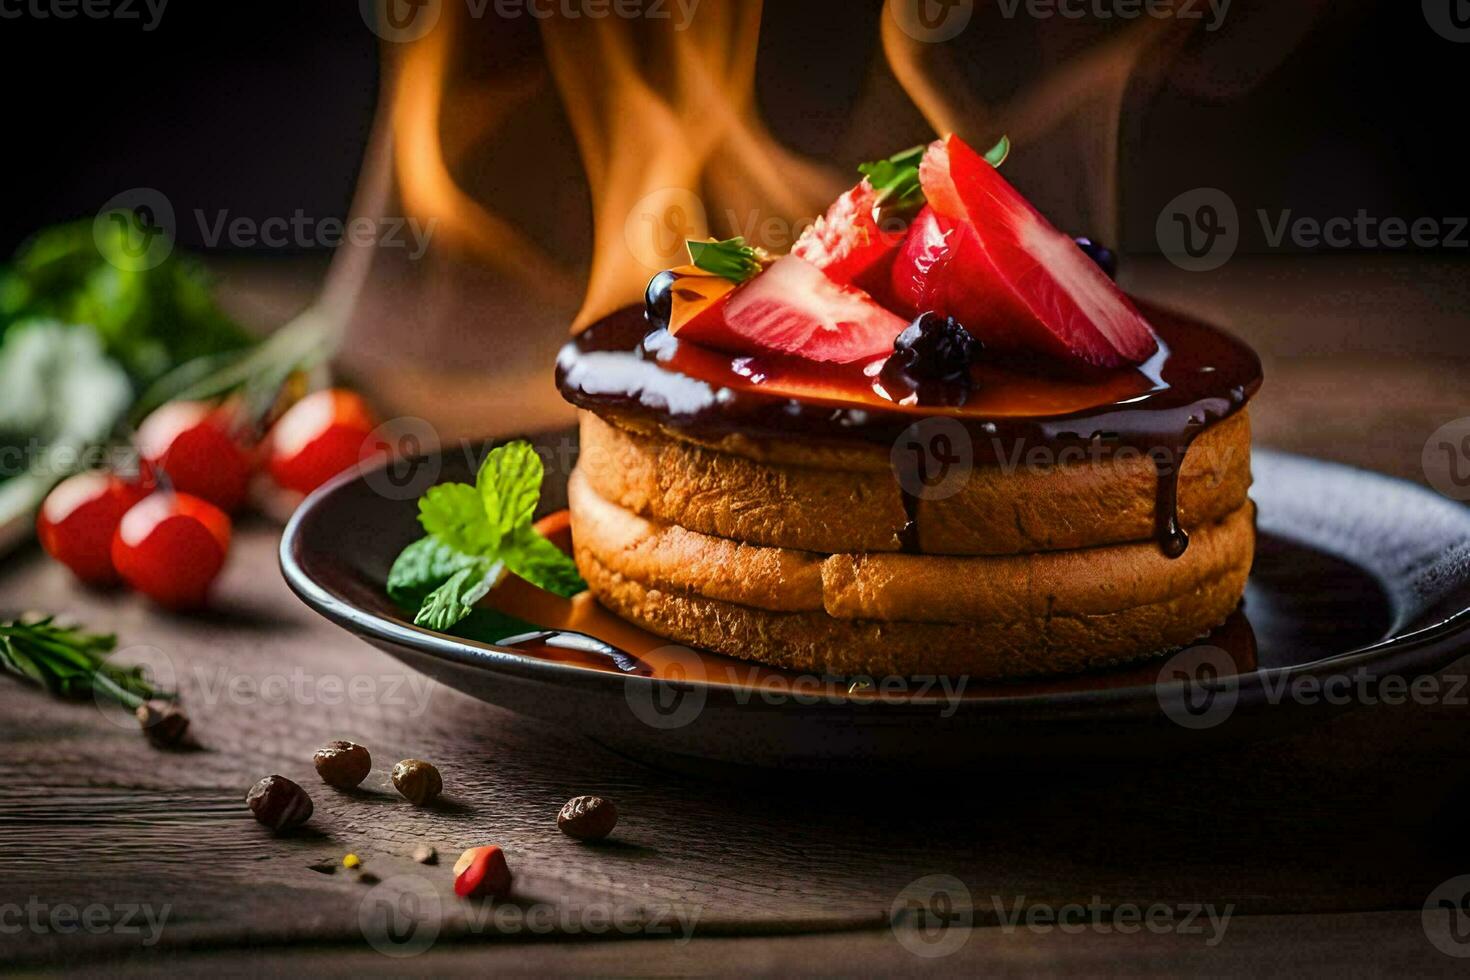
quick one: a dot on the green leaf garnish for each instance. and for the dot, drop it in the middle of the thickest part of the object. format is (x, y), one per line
(422, 567)
(72, 663)
(509, 486)
(731, 259)
(148, 319)
(996, 155)
(897, 179)
(453, 514)
(475, 534)
(456, 598)
(542, 563)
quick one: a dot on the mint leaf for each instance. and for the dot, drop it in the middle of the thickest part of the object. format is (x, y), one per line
(897, 179)
(474, 535)
(453, 513)
(422, 567)
(731, 259)
(543, 564)
(509, 487)
(456, 598)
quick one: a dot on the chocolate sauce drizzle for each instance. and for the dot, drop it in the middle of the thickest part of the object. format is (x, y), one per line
(1199, 376)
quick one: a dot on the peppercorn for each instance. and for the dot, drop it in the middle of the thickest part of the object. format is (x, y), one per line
(587, 818)
(163, 723)
(343, 764)
(279, 803)
(418, 781)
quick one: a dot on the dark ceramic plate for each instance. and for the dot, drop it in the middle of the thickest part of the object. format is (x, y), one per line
(1360, 583)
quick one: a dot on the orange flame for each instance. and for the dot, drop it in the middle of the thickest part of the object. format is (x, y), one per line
(665, 124)
(1087, 89)
(428, 187)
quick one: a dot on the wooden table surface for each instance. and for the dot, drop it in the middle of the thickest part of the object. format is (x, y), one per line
(1315, 852)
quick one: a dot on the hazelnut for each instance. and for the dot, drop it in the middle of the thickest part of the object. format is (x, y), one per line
(279, 803)
(587, 818)
(343, 764)
(163, 723)
(426, 854)
(417, 780)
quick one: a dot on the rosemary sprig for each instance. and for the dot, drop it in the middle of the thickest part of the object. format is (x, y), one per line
(72, 663)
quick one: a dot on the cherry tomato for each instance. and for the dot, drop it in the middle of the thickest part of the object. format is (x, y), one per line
(78, 519)
(170, 546)
(190, 443)
(320, 436)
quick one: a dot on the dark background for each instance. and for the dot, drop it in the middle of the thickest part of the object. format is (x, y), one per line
(264, 108)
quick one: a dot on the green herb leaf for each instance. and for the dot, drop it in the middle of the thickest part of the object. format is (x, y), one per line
(454, 514)
(71, 663)
(509, 486)
(996, 155)
(731, 259)
(456, 598)
(897, 179)
(422, 567)
(148, 319)
(474, 535)
(543, 564)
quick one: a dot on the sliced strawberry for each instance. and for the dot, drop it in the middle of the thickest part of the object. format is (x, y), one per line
(937, 270)
(793, 308)
(924, 251)
(848, 242)
(982, 254)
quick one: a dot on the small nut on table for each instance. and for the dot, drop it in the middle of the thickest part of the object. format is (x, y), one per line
(417, 780)
(343, 764)
(587, 818)
(279, 803)
(482, 872)
(163, 723)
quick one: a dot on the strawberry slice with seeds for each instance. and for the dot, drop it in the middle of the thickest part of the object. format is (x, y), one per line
(850, 243)
(794, 308)
(983, 255)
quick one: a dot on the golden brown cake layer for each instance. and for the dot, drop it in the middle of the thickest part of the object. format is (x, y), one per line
(814, 497)
(905, 614)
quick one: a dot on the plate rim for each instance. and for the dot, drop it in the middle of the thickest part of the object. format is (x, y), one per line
(1421, 651)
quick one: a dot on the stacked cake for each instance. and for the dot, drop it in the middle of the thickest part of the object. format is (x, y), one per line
(793, 555)
(935, 438)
